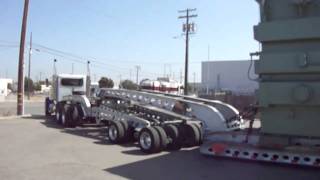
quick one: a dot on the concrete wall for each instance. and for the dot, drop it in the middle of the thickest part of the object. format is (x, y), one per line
(228, 75)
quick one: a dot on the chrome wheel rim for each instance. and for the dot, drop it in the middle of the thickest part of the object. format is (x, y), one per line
(145, 140)
(113, 132)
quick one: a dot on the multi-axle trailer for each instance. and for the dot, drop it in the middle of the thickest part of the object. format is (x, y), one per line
(156, 121)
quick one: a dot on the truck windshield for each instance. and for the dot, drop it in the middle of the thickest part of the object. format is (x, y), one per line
(71, 82)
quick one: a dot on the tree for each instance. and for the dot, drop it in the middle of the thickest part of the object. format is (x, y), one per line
(37, 86)
(128, 84)
(28, 81)
(105, 82)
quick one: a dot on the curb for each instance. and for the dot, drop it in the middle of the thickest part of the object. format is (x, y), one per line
(14, 117)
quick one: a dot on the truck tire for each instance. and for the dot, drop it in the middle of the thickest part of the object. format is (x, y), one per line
(128, 131)
(72, 116)
(173, 133)
(58, 113)
(116, 132)
(189, 135)
(46, 106)
(65, 118)
(81, 114)
(163, 137)
(149, 140)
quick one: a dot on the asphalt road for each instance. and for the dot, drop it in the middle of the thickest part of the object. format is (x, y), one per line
(10, 108)
(37, 148)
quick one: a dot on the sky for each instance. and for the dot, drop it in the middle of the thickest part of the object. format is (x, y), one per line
(118, 35)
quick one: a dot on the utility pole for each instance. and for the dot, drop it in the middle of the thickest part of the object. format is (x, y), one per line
(187, 28)
(40, 74)
(20, 108)
(72, 68)
(181, 76)
(130, 74)
(54, 67)
(208, 52)
(88, 79)
(120, 81)
(29, 66)
(194, 82)
(138, 68)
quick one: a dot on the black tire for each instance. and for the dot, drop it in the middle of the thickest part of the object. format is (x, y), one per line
(58, 113)
(46, 106)
(189, 135)
(73, 116)
(128, 131)
(80, 114)
(116, 132)
(163, 137)
(65, 115)
(173, 133)
(200, 133)
(154, 146)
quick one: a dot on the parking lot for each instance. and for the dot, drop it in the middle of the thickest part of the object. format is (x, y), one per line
(36, 148)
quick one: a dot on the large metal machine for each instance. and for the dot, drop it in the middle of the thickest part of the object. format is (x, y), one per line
(289, 92)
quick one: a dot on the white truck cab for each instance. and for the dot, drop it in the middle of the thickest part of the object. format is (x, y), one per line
(67, 84)
(64, 85)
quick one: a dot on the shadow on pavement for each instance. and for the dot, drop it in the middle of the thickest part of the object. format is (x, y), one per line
(190, 164)
(95, 132)
(187, 163)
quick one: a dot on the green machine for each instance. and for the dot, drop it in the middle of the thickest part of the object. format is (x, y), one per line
(289, 67)
(289, 90)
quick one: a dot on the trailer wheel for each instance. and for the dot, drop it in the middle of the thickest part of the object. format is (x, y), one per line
(116, 132)
(189, 135)
(149, 140)
(173, 133)
(128, 131)
(163, 137)
(198, 126)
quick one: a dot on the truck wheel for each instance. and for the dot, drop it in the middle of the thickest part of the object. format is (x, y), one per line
(163, 137)
(116, 132)
(190, 135)
(198, 126)
(65, 118)
(173, 133)
(46, 106)
(73, 116)
(128, 131)
(149, 140)
(58, 114)
(80, 114)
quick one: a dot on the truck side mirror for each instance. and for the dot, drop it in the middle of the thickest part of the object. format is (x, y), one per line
(47, 82)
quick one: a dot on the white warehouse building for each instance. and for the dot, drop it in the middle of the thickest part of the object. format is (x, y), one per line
(228, 75)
